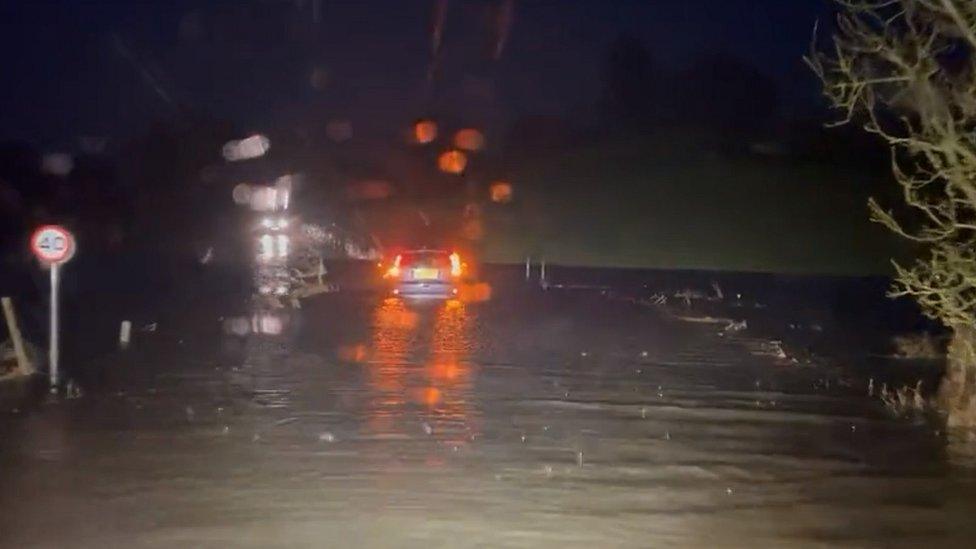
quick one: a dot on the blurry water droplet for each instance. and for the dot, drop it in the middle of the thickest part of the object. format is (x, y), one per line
(226, 430)
(584, 354)
(523, 438)
(545, 427)
(728, 491)
(326, 437)
(644, 354)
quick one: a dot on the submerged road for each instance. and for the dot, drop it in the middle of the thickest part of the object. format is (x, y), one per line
(530, 420)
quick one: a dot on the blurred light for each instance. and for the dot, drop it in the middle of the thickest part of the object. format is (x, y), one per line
(265, 248)
(283, 186)
(452, 162)
(282, 246)
(242, 194)
(339, 130)
(394, 270)
(57, 164)
(281, 290)
(267, 324)
(431, 396)
(501, 192)
(455, 265)
(263, 199)
(266, 222)
(469, 140)
(254, 146)
(264, 290)
(425, 131)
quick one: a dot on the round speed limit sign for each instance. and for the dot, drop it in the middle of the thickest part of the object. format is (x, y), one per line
(52, 244)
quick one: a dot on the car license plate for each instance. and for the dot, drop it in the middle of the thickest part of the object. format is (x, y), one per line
(426, 274)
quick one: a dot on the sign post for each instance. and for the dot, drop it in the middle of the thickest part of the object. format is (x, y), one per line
(53, 245)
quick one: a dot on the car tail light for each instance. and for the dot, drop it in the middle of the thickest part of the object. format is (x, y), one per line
(394, 271)
(455, 264)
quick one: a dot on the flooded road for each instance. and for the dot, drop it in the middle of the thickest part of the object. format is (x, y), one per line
(531, 420)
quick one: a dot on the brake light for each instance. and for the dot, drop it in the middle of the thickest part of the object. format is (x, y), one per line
(394, 271)
(455, 264)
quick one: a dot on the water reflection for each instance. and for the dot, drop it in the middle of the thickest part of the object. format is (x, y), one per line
(419, 371)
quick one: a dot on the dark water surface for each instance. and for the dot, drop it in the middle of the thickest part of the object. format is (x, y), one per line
(559, 419)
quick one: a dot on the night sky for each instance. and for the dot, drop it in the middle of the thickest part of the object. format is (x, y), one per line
(108, 69)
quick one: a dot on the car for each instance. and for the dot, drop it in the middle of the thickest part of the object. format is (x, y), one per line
(425, 273)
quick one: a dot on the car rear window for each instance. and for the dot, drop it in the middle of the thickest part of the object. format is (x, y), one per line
(426, 259)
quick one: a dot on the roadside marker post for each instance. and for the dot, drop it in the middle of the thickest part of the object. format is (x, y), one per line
(53, 246)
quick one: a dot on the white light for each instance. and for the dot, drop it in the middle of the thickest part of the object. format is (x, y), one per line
(282, 246)
(265, 248)
(267, 222)
(264, 290)
(281, 290)
(250, 147)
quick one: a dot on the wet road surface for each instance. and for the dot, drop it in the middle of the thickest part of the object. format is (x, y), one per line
(531, 420)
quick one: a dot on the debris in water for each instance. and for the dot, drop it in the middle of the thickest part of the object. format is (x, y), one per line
(327, 437)
(735, 326)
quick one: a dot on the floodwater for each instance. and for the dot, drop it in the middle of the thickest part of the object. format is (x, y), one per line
(531, 420)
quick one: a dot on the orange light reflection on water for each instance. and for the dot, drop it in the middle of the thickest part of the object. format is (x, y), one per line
(421, 366)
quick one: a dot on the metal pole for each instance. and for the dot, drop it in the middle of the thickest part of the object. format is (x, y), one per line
(53, 351)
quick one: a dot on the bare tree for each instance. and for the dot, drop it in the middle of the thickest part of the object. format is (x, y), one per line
(907, 69)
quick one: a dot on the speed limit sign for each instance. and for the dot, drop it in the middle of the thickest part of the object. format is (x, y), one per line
(52, 244)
